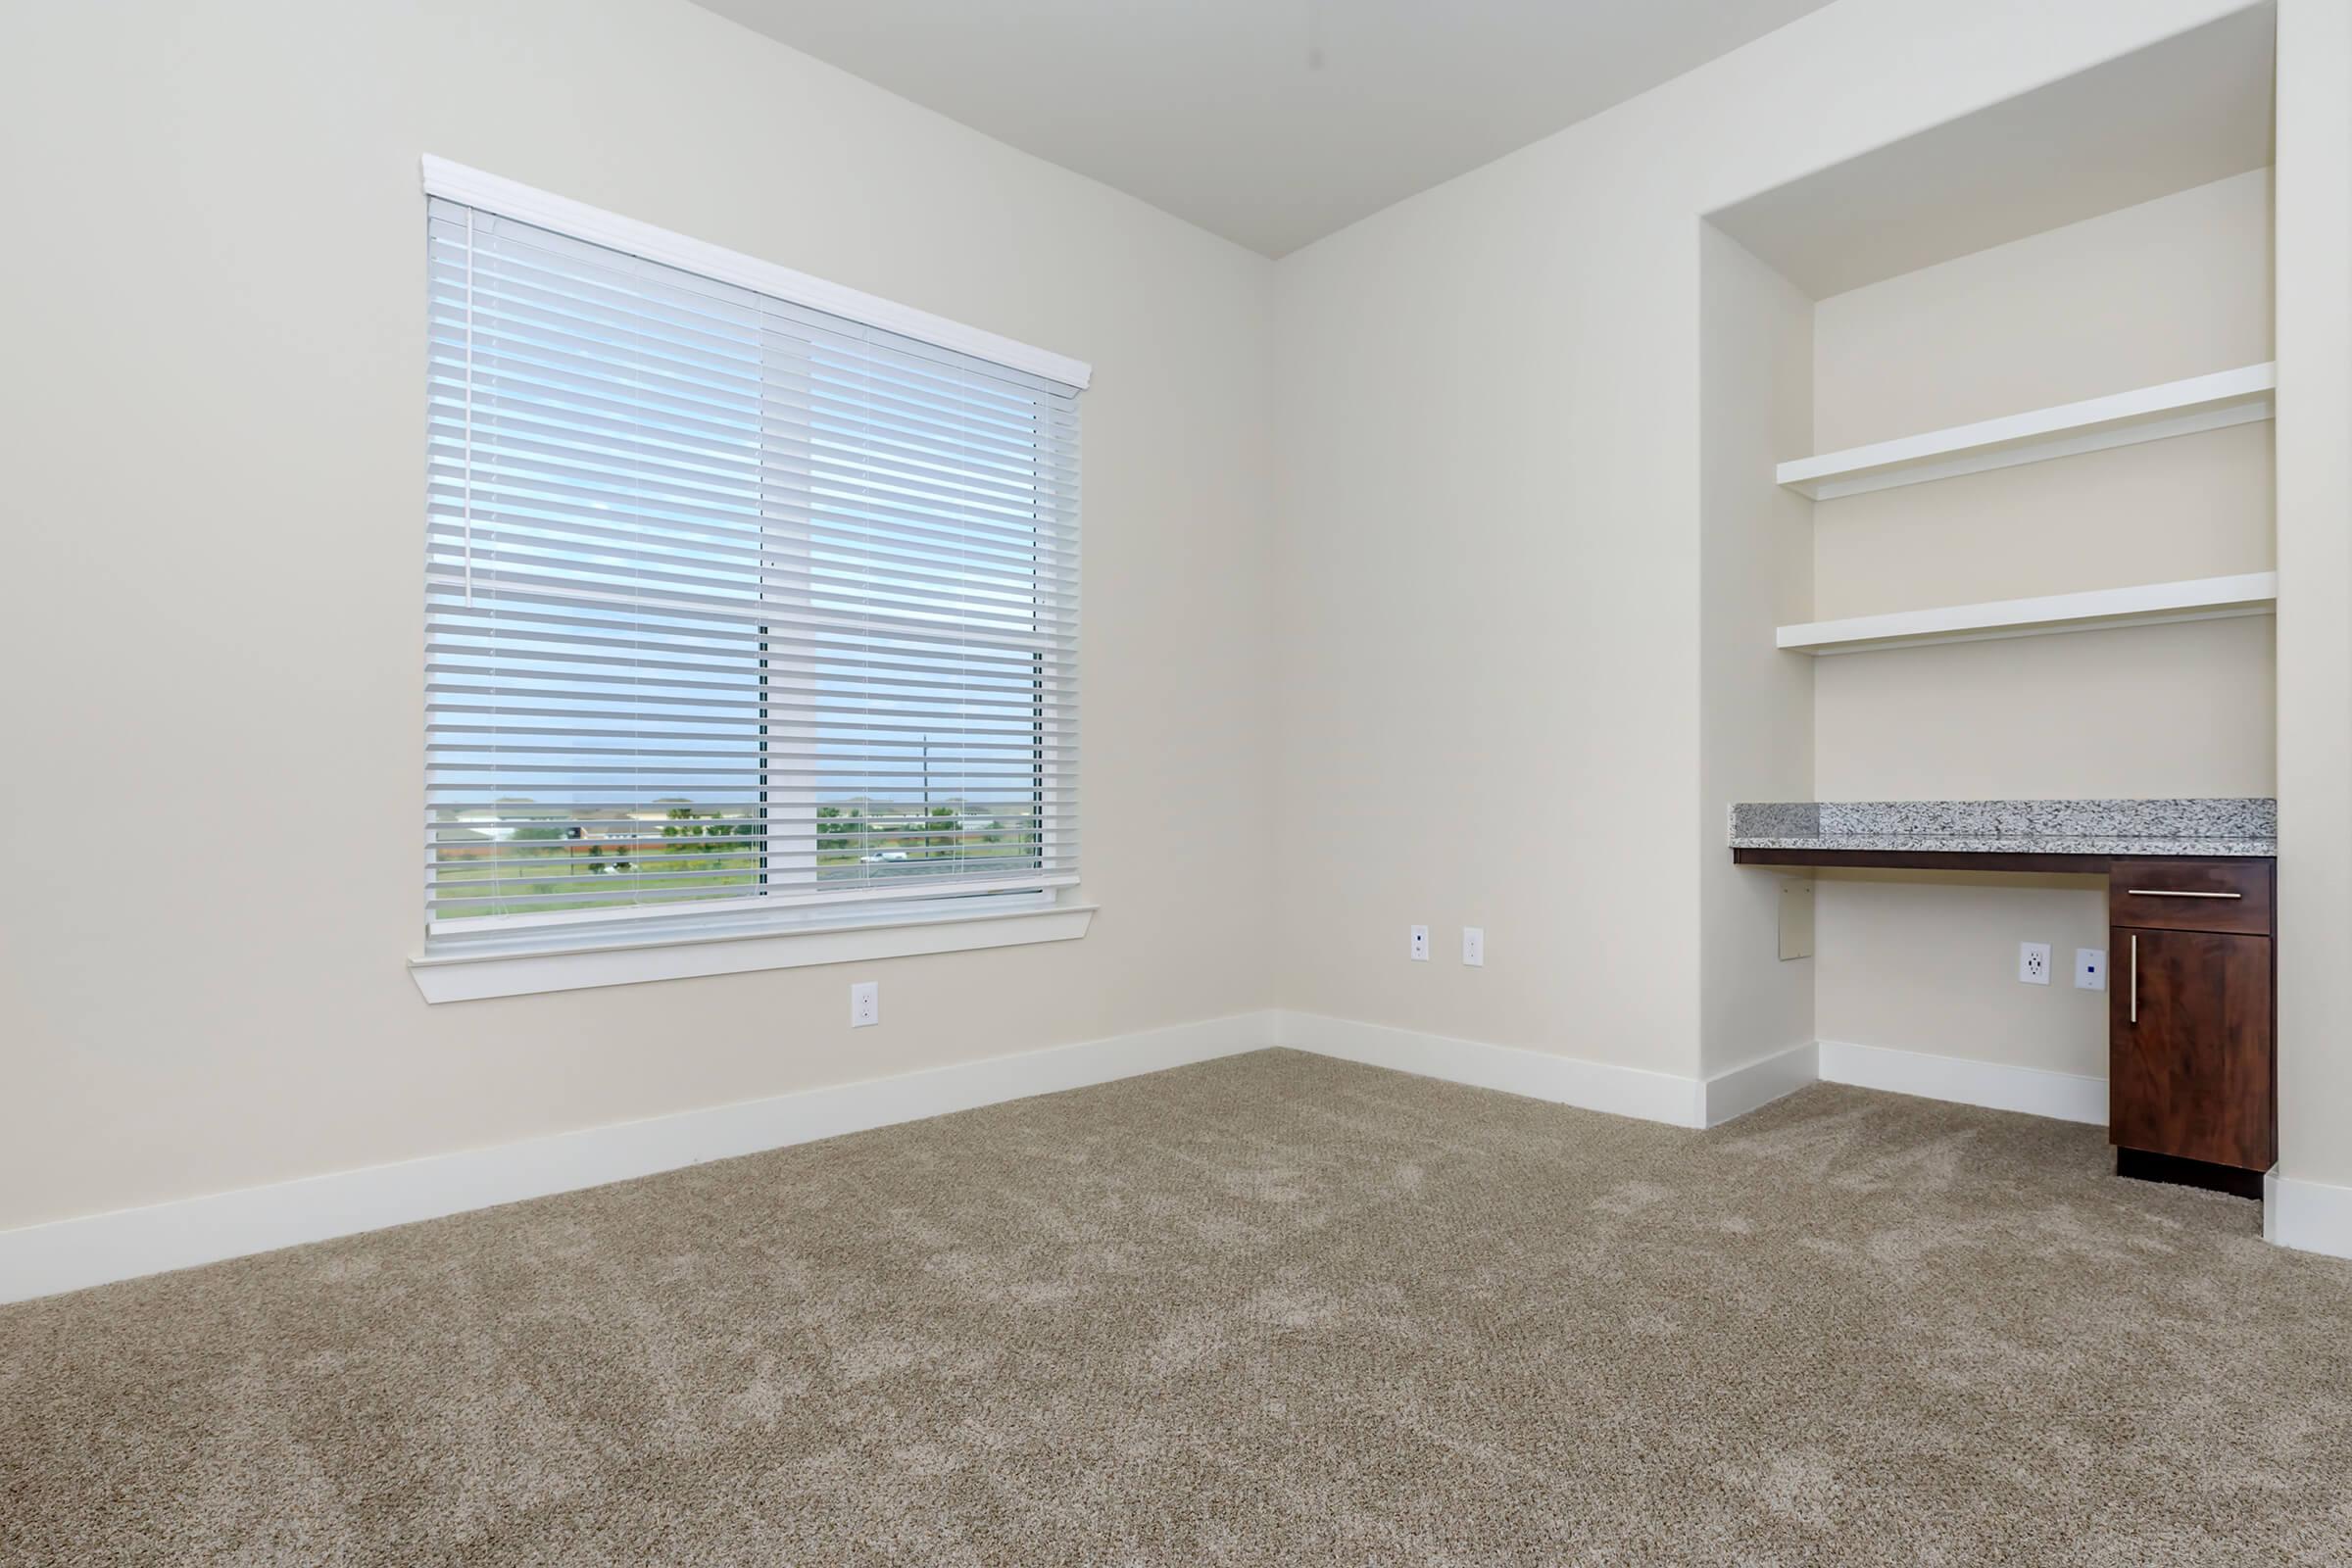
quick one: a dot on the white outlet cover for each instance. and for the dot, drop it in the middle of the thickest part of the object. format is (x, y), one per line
(866, 1003)
(1419, 951)
(1474, 945)
(2090, 968)
(2034, 963)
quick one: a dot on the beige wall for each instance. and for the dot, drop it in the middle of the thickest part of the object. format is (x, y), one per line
(214, 510)
(1928, 962)
(1489, 409)
(2173, 288)
(1488, 636)
(1755, 573)
(2170, 288)
(2315, 589)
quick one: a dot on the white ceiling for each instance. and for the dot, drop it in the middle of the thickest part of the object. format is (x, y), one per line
(1270, 121)
(2189, 110)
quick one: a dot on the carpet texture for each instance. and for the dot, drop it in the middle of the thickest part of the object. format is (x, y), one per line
(1273, 1310)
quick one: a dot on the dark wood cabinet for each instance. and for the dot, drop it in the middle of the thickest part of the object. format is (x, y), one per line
(2188, 1047)
(2191, 1060)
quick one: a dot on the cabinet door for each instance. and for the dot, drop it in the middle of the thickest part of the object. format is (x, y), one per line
(2188, 1045)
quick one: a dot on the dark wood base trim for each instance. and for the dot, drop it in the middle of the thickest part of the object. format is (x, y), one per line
(1929, 860)
(1962, 859)
(2141, 1166)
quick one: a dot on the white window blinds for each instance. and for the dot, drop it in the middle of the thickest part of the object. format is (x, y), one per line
(733, 607)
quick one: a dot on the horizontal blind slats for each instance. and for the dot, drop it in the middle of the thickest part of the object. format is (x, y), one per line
(703, 634)
(504, 422)
(727, 484)
(736, 899)
(840, 562)
(751, 830)
(714, 355)
(729, 603)
(595, 270)
(494, 571)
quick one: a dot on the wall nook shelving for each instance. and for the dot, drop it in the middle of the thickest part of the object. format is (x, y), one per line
(2121, 418)
(2254, 593)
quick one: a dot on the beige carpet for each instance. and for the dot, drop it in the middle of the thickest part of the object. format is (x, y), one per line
(1273, 1310)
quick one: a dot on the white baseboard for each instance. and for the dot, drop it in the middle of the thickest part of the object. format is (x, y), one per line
(2066, 1096)
(70, 1255)
(1537, 1074)
(1737, 1091)
(2308, 1217)
(73, 1253)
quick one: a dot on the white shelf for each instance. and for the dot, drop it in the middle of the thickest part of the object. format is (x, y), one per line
(2148, 414)
(2148, 605)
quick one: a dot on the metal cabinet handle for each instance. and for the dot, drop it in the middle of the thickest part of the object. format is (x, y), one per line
(2170, 893)
(2136, 977)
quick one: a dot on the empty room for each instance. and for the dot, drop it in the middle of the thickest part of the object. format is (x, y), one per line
(1258, 782)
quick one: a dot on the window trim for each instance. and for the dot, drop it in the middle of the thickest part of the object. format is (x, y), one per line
(469, 972)
(592, 955)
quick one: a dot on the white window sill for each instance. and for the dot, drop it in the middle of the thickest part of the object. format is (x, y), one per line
(461, 976)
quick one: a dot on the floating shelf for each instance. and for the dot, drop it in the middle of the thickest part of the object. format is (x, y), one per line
(2148, 414)
(2149, 604)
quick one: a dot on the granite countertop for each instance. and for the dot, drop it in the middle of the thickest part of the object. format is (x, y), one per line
(2187, 827)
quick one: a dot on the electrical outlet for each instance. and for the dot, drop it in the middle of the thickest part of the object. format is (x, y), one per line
(1420, 947)
(2034, 963)
(866, 1003)
(1474, 945)
(2090, 968)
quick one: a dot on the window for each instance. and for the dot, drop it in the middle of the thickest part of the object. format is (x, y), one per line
(740, 614)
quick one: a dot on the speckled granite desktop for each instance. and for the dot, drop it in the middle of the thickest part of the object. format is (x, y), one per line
(2186, 827)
